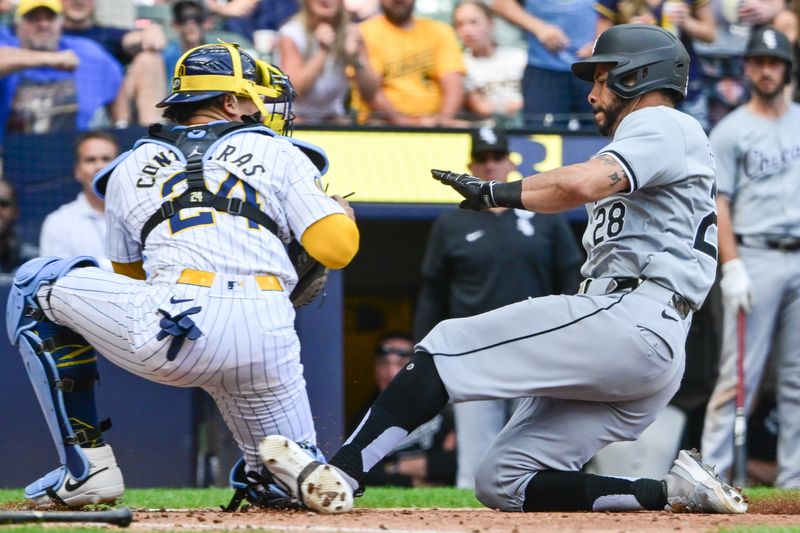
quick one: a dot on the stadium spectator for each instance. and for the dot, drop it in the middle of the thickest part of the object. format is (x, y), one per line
(13, 252)
(691, 20)
(427, 456)
(361, 10)
(190, 22)
(139, 50)
(317, 47)
(420, 68)
(469, 259)
(79, 227)
(246, 16)
(53, 82)
(557, 30)
(493, 84)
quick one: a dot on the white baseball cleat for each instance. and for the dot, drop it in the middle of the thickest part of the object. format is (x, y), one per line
(104, 483)
(694, 486)
(318, 486)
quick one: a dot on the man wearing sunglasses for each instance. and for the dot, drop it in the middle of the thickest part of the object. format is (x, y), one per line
(469, 262)
(190, 23)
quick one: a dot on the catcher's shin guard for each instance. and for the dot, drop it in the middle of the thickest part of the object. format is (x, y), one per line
(23, 312)
(47, 385)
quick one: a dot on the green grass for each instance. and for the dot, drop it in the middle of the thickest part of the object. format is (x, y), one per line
(214, 497)
(443, 497)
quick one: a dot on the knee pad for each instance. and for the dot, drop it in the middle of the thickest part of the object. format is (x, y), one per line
(420, 383)
(47, 385)
(22, 310)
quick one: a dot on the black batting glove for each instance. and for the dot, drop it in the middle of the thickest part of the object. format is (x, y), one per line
(479, 194)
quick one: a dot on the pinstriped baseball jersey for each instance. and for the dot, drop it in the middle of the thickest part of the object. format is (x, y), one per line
(268, 171)
(666, 234)
(248, 354)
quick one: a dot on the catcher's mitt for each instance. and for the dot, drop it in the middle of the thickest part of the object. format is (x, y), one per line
(311, 275)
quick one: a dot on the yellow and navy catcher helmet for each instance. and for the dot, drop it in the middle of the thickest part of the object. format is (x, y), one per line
(212, 70)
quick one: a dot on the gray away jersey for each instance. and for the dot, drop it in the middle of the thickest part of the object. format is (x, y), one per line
(664, 228)
(759, 170)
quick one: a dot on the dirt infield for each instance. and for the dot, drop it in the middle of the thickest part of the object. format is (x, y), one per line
(449, 520)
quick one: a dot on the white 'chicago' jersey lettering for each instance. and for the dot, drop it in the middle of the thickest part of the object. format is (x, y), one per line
(664, 228)
(263, 170)
(759, 165)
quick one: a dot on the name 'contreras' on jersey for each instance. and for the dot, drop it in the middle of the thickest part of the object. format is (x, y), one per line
(663, 229)
(263, 170)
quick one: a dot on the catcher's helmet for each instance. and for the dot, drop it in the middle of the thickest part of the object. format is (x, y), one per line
(211, 70)
(645, 56)
(767, 41)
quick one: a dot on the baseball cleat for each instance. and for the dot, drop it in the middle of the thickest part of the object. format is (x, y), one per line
(103, 484)
(695, 487)
(318, 486)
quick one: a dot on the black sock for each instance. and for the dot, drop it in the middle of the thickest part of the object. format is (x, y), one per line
(414, 396)
(551, 490)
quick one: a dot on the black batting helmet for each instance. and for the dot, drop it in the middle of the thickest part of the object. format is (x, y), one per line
(645, 56)
(768, 41)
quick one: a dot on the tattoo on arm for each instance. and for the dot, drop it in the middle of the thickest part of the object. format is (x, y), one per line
(616, 176)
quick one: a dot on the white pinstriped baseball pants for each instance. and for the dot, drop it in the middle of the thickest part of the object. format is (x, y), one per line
(248, 358)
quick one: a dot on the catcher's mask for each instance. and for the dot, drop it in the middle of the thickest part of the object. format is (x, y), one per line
(211, 70)
(646, 57)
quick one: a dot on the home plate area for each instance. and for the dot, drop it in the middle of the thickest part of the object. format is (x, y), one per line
(448, 520)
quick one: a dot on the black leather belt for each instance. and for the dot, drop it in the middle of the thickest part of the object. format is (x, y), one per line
(677, 302)
(784, 244)
(614, 285)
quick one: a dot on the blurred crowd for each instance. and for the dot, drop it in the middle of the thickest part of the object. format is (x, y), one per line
(87, 64)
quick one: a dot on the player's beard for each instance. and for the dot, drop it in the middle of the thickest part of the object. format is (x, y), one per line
(765, 95)
(611, 114)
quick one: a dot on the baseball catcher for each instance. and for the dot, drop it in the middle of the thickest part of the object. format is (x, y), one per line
(202, 292)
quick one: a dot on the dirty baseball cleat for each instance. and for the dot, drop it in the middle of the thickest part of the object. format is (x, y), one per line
(103, 484)
(318, 486)
(693, 486)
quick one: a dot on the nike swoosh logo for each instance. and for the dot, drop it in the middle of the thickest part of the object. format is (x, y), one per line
(474, 236)
(174, 300)
(70, 487)
(665, 315)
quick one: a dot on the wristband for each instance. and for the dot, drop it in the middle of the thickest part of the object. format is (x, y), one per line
(507, 194)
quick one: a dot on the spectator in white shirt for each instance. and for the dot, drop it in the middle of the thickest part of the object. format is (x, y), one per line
(79, 227)
(493, 83)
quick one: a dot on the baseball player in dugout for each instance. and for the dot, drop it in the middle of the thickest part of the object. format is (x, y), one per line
(758, 156)
(594, 367)
(199, 218)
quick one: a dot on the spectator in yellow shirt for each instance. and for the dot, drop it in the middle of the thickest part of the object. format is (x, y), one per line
(420, 66)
